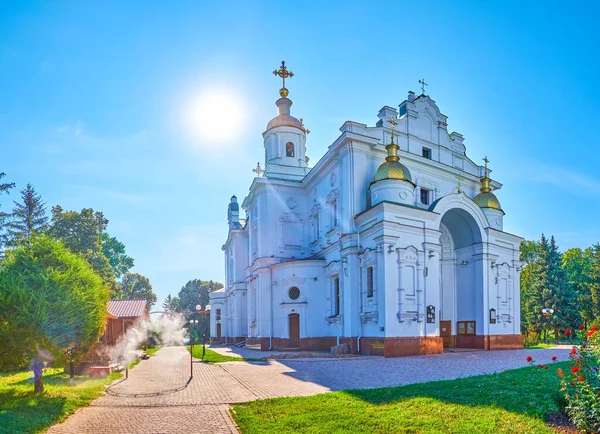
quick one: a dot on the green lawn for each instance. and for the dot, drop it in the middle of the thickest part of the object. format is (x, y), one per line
(538, 346)
(213, 357)
(510, 402)
(151, 351)
(21, 411)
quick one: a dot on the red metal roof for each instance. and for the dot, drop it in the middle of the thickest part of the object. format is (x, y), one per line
(127, 308)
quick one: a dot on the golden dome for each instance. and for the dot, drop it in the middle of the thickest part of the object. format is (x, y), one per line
(487, 199)
(392, 168)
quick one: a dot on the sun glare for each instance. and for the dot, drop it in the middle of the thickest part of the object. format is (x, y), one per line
(217, 117)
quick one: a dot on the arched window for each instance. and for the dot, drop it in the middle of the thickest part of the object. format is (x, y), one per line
(289, 149)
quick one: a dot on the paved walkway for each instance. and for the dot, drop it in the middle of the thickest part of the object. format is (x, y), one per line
(159, 398)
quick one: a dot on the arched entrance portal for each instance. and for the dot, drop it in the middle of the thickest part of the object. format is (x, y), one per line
(461, 280)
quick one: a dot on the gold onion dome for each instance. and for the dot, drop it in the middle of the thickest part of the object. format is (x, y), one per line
(487, 199)
(392, 168)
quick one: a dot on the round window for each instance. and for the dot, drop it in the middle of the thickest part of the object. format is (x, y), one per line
(294, 293)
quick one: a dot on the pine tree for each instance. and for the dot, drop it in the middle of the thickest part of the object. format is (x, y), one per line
(4, 188)
(27, 218)
(552, 291)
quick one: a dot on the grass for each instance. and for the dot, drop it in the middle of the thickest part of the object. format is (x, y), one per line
(211, 356)
(22, 411)
(539, 346)
(151, 351)
(514, 401)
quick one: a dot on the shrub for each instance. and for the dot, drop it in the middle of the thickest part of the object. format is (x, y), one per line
(581, 385)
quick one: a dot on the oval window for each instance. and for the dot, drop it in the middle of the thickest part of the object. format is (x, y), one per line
(294, 293)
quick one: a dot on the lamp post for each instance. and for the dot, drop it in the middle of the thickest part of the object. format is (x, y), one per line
(204, 312)
(546, 315)
(191, 324)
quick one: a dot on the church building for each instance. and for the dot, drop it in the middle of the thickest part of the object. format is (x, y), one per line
(392, 242)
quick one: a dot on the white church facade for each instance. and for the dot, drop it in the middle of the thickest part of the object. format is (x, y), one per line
(393, 243)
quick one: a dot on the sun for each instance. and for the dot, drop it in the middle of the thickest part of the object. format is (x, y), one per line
(217, 116)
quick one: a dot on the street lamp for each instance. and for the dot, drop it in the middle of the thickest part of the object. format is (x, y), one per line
(203, 312)
(547, 312)
(191, 324)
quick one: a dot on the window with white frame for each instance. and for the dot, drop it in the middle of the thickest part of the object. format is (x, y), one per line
(370, 282)
(334, 214)
(336, 299)
(425, 196)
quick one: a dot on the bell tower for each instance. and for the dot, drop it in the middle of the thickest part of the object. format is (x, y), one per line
(285, 138)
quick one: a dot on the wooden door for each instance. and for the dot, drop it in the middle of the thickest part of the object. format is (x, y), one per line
(219, 332)
(294, 320)
(446, 333)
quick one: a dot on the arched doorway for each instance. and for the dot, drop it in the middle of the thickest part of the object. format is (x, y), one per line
(461, 280)
(294, 324)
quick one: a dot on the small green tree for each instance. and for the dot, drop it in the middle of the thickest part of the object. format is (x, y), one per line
(51, 301)
(5, 187)
(578, 265)
(28, 217)
(134, 285)
(171, 304)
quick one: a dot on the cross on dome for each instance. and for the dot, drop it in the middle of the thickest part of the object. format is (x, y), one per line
(423, 84)
(283, 73)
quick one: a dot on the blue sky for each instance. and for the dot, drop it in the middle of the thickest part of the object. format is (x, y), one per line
(96, 98)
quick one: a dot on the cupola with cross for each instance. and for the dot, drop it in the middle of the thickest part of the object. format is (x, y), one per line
(285, 138)
(488, 202)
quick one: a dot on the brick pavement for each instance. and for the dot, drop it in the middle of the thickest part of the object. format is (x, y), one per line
(201, 405)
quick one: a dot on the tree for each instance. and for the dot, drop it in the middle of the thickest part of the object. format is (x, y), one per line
(4, 188)
(114, 250)
(135, 285)
(171, 304)
(27, 218)
(51, 301)
(530, 252)
(82, 233)
(578, 266)
(196, 292)
(594, 284)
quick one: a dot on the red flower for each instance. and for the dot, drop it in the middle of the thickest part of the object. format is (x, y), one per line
(545, 367)
(529, 359)
(572, 383)
(567, 333)
(540, 366)
(581, 327)
(580, 379)
(594, 328)
(574, 351)
(554, 358)
(574, 369)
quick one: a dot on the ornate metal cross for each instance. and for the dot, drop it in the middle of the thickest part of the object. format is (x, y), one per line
(486, 161)
(258, 170)
(423, 84)
(283, 73)
(393, 123)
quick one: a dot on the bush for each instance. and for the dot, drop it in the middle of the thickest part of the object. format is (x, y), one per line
(531, 339)
(581, 386)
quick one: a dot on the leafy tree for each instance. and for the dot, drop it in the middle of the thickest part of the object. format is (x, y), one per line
(4, 188)
(196, 292)
(171, 304)
(114, 250)
(51, 301)
(530, 253)
(82, 233)
(27, 218)
(594, 284)
(135, 285)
